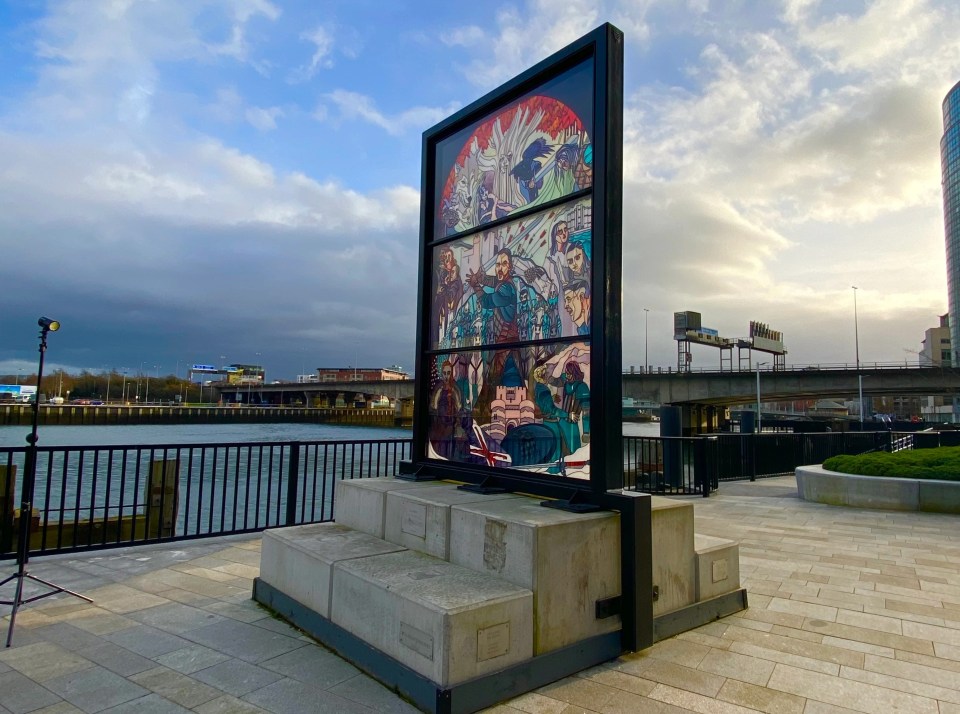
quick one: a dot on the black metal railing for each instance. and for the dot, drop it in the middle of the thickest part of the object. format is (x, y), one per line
(681, 466)
(102, 496)
(696, 465)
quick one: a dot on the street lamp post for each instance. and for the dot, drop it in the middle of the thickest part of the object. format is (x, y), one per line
(109, 374)
(759, 429)
(860, 389)
(856, 338)
(646, 344)
(856, 327)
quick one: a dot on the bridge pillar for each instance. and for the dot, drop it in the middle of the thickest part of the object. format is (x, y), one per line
(699, 419)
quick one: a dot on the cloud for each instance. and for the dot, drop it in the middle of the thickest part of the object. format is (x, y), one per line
(773, 156)
(264, 119)
(322, 40)
(353, 105)
(521, 39)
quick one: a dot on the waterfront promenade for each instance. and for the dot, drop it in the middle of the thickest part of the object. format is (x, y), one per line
(850, 610)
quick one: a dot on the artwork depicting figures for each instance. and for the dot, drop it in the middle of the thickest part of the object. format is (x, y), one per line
(520, 225)
(528, 280)
(525, 408)
(528, 154)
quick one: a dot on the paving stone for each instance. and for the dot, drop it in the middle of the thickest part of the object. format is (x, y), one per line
(59, 708)
(191, 659)
(43, 660)
(151, 704)
(228, 705)
(176, 617)
(176, 687)
(66, 635)
(237, 677)
(116, 658)
(19, 694)
(147, 641)
(366, 691)
(243, 641)
(95, 689)
(288, 696)
(314, 665)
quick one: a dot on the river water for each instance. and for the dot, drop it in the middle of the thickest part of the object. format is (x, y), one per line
(144, 434)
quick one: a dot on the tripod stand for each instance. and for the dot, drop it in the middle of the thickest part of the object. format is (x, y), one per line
(26, 504)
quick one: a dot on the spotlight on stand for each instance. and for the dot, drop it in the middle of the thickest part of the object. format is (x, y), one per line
(48, 325)
(26, 503)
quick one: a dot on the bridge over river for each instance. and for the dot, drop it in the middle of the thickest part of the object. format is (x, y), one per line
(690, 390)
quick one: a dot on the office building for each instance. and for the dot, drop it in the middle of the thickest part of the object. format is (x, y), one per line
(950, 167)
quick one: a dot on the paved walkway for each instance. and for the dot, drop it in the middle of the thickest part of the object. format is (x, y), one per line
(849, 610)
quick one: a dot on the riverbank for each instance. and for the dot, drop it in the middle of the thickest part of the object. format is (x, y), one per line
(115, 414)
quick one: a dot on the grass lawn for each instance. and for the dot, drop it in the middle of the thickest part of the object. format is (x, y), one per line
(942, 463)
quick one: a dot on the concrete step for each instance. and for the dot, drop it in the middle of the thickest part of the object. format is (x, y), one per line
(361, 503)
(419, 519)
(445, 622)
(569, 561)
(674, 564)
(299, 561)
(718, 566)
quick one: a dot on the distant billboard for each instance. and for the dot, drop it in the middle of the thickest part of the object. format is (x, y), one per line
(683, 321)
(765, 339)
(204, 368)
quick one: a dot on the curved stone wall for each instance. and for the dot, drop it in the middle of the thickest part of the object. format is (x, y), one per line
(814, 483)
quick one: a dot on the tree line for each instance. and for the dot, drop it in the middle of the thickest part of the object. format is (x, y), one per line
(122, 387)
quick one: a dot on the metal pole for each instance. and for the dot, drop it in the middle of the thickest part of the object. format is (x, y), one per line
(27, 489)
(856, 327)
(646, 345)
(758, 397)
(860, 385)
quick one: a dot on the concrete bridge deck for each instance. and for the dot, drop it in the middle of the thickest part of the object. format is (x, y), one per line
(721, 388)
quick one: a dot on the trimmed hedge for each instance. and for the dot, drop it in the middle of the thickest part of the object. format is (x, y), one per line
(942, 463)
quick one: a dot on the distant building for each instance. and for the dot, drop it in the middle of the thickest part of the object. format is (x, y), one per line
(244, 374)
(360, 374)
(950, 168)
(249, 374)
(937, 352)
(936, 349)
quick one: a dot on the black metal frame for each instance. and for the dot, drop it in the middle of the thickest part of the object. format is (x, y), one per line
(605, 47)
(26, 507)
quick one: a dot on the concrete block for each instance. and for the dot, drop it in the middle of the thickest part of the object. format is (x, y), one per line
(718, 566)
(361, 503)
(447, 623)
(568, 560)
(420, 519)
(298, 561)
(674, 565)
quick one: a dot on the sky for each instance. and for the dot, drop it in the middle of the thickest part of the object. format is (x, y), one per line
(237, 181)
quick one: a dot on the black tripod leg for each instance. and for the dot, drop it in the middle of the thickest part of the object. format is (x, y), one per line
(17, 600)
(56, 589)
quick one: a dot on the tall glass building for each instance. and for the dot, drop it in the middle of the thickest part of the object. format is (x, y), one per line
(950, 166)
